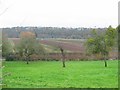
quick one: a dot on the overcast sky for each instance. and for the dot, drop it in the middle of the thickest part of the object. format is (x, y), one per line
(59, 13)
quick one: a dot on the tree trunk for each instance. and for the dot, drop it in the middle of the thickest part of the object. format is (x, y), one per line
(63, 62)
(105, 60)
(105, 54)
(63, 56)
(27, 62)
(105, 63)
(63, 59)
(27, 59)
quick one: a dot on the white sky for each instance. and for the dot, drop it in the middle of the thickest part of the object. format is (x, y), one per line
(59, 13)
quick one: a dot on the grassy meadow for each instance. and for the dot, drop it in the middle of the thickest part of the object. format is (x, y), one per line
(51, 74)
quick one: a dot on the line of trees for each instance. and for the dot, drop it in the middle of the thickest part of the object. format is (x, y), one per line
(52, 32)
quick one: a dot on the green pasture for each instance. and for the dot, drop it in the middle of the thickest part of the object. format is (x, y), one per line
(51, 74)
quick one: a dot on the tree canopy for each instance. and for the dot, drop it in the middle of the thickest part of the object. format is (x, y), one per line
(29, 45)
(7, 46)
(101, 43)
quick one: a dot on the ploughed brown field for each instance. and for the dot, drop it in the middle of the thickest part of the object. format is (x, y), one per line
(71, 45)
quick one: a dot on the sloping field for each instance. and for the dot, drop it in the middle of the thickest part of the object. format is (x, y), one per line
(68, 45)
(79, 41)
(71, 46)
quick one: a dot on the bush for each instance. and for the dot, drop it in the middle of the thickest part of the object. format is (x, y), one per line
(10, 57)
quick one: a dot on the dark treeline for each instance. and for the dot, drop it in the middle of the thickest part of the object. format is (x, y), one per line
(52, 32)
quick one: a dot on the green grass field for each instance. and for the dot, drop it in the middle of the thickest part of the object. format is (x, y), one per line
(51, 74)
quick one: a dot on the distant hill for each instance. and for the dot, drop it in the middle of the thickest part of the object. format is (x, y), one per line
(52, 32)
